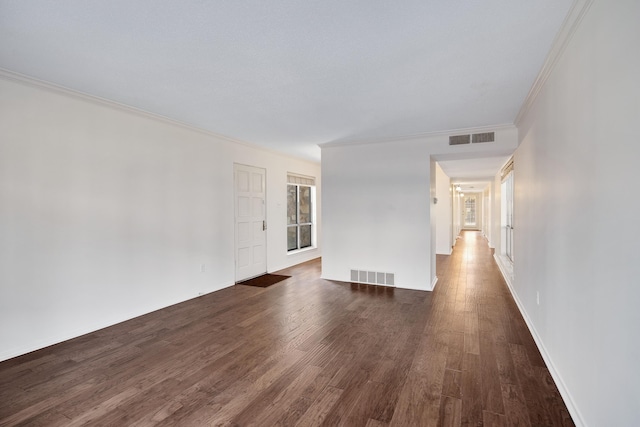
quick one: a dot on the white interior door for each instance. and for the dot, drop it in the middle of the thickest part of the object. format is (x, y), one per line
(251, 244)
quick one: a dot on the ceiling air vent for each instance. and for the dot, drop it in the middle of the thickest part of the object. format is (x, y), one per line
(459, 139)
(483, 137)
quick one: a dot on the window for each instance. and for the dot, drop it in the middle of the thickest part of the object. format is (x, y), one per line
(300, 205)
(470, 211)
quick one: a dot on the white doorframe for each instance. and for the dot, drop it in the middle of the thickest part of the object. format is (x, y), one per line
(507, 216)
(250, 188)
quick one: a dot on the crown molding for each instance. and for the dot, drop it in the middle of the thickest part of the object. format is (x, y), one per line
(365, 141)
(471, 180)
(571, 23)
(96, 100)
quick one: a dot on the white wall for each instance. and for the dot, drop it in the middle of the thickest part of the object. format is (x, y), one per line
(107, 214)
(443, 212)
(576, 227)
(377, 202)
(377, 205)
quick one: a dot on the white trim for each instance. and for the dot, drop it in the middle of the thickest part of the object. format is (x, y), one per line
(378, 140)
(555, 374)
(297, 251)
(382, 285)
(276, 268)
(414, 288)
(52, 87)
(433, 283)
(507, 272)
(574, 17)
(297, 179)
(57, 339)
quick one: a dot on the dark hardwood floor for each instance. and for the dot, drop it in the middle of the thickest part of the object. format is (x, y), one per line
(305, 352)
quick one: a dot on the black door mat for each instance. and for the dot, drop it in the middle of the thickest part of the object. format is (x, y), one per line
(264, 280)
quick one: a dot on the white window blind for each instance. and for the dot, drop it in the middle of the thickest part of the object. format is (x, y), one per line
(301, 180)
(506, 170)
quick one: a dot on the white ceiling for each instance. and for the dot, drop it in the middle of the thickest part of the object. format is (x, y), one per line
(473, 174)
(291, 74)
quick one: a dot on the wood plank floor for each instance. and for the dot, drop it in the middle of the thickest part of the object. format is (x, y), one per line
(302, 352)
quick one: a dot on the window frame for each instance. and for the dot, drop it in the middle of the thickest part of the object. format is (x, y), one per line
(299, 224)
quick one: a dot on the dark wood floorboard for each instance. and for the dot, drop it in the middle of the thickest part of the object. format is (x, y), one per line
(305, 352)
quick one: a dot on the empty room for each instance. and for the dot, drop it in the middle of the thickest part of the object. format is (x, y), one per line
(359, 213)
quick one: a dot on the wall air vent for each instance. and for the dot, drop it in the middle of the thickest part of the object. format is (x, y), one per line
(483, 137)
(459, 139)
(372, 277)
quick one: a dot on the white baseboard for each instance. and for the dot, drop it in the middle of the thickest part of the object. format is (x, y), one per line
(505, 269)
(413, 288)
(557, 378)
(87, 329)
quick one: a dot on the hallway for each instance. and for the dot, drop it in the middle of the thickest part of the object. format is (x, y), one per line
(493, 366)
(304, 351)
